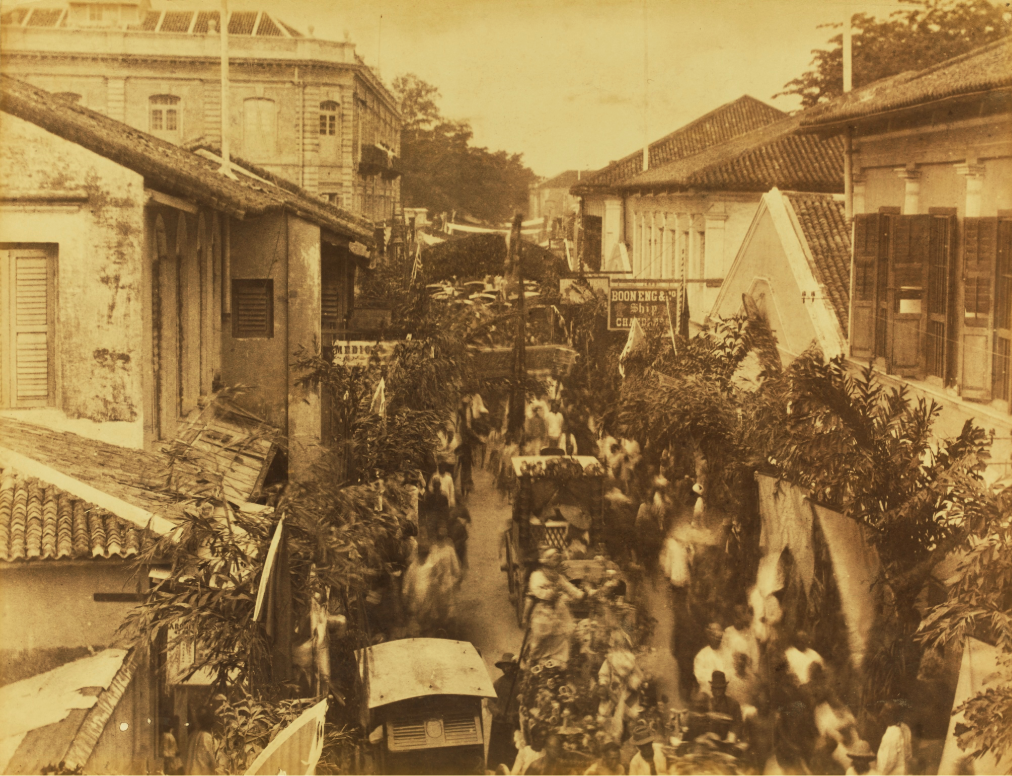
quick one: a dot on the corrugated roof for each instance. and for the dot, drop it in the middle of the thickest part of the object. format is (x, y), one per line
(175, 22)
(771, 156)
(824, 226)
(168, 166)
(985, 69)
(39, 521)
(728, 121)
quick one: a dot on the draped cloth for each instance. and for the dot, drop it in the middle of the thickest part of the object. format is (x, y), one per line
(788, 522)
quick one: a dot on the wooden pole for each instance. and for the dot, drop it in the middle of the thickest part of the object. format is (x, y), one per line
(518, 396)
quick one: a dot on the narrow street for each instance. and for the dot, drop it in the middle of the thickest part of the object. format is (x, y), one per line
(485, 612)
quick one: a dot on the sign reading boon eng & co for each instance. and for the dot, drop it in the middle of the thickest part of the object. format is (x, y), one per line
(644, 300)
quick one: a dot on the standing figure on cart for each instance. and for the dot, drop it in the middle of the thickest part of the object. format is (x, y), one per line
(549, 622)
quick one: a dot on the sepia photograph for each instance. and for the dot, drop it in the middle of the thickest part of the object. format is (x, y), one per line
(505, 387)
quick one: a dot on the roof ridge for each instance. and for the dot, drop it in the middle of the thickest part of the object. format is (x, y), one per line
(954, 60)
(685, 128)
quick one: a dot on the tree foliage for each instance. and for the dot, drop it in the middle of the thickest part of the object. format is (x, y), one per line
(917, 35)
(443, 171)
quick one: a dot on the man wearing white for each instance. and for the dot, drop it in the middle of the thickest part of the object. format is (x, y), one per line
(710, 658)
(801, 657)
(895, 753)
(553, 424)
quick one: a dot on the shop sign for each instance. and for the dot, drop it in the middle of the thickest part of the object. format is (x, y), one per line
(646, 301)
(361, 352)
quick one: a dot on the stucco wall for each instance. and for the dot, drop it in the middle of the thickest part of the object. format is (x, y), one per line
(935, 153)
(303, 330)
(259, 249)
(764, 271)
(99, 267)
(50, 603)
(725, 218)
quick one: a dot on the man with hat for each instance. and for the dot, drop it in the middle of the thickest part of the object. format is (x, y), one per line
(725, 711)
(506, 715)
(861, 759)
(649, 760)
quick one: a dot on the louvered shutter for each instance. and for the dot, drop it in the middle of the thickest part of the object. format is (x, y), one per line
(866, 246)
(908, 308)
(1001, 365)
(979, 253)
(30, 321)
(253, 309)
(939, 270)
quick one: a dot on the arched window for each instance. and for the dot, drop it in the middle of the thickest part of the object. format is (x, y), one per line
(164, 114)
(328, 117)
(260, 127)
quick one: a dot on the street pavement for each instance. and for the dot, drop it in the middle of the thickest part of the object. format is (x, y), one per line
(486, 616)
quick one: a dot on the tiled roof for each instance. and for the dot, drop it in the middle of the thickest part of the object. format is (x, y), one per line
(134, 476)
(168, 166)
(987, 68)
(728, 121)
(38, 521)
(771, 156)
(825, 229)
(174, 22)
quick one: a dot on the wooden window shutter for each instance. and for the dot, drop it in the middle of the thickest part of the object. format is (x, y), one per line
(866, 249)
(29, 324)
(908, 270)
(331, 287)
(940, 253)
(979, 252)
(1001, 367)
(253, 309)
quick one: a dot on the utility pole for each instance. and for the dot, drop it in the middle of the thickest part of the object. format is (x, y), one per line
(518, 393)
(646, 93)
(848, 141)
(226, 159)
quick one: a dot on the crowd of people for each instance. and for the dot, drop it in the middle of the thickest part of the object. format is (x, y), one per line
(751, 686)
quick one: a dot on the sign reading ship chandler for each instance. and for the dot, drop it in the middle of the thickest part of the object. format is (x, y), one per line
(643, 299)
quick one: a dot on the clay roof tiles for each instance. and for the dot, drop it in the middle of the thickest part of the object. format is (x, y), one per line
(728, 121)
(39, 521)
(770, 156)
(825, 229)
(986, 69)
(168, 166)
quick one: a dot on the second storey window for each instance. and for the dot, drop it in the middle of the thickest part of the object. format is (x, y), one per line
(164, 115)
(330, 133)
(260, 127)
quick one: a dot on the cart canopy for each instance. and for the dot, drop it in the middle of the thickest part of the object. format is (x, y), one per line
(414, 668)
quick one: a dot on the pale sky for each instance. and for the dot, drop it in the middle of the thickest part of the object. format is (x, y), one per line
(562, 81)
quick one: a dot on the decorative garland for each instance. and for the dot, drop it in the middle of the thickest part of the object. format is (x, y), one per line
(560, 469)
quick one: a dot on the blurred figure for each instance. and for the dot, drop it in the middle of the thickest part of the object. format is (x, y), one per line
(610, 763)
(546, 611)
(928, 725)
(895, 753)
(649, 759)
(801, 657)
(201, 751)
(862, 758)
(530, 753)
(551, 761)
(710, 658)
(553, 426)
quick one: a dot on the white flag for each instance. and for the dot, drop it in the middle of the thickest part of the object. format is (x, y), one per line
(634, 343)
(297, 748)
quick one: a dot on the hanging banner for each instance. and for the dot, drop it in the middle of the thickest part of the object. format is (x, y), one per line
(643, 299)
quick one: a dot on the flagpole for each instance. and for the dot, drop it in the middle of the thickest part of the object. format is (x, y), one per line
(518, 396)
(848, 84)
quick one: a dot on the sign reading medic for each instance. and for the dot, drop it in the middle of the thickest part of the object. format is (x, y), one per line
(356, 353)
(646, 301)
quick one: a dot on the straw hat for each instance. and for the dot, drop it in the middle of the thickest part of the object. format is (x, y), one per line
(642, 734)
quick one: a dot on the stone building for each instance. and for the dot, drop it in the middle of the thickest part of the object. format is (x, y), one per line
(308, 110)
(551, 198)
(931, 287)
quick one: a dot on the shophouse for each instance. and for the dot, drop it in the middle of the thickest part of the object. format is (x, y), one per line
(931, 288)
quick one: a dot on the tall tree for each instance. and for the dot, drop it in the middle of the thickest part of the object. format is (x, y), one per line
(443, 171)
(917, 35)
